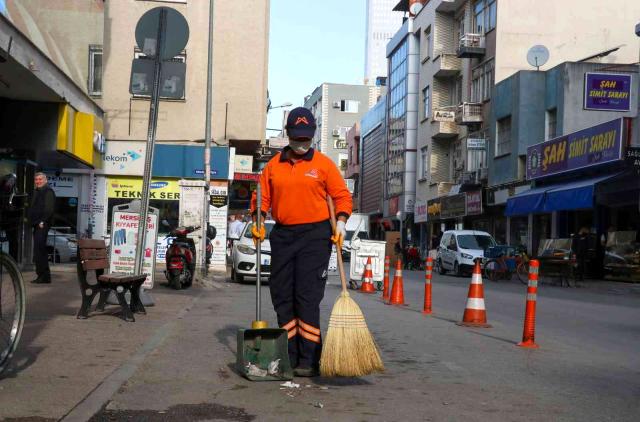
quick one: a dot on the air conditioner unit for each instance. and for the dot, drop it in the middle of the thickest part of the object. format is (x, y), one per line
(336, 104)
(336, 132)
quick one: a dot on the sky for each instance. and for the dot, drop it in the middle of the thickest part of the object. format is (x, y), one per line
(311, 42)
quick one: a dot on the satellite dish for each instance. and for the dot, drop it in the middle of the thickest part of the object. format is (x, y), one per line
(415, 6)
(537, 56)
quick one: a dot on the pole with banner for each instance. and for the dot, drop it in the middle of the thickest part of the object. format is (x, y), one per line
(161, 34)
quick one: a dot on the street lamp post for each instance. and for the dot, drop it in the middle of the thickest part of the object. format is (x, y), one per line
(207, 143)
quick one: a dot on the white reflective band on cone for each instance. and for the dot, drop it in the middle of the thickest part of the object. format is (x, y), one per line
(476, 279)
(533, 283)
(399, 273)
(532, 296)
(475, 303)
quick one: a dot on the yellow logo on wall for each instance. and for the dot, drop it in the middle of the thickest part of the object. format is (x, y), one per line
(131, 188)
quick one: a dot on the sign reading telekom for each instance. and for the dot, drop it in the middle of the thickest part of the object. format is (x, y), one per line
(588, 147)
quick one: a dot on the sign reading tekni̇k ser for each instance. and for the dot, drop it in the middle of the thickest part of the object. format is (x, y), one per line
(607, 91)
(128, 187)
(588, 147)
(124, 238)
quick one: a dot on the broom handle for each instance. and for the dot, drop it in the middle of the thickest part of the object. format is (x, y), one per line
(332, 213)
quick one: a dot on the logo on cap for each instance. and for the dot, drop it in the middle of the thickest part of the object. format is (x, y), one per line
(301, 120)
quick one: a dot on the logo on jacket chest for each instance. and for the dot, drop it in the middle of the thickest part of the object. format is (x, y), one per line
(312, 173)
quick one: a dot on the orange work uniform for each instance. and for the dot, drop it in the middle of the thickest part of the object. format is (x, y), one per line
(296, 193)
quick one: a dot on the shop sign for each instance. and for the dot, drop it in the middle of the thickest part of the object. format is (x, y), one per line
(420, 211)
(607, 91)
(339, 144)
(393, 205)
(586, 148)
(433, 209)
(243, 163)
(124, 158)
(633, 158)
(254, 177)
(444, 115)
(476, 143)
(64, 186)
(218, 209)
(453, 206)
(123, 187)
(124, 237)
(474, 203)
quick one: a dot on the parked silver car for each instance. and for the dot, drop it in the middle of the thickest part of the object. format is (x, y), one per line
(62, 247)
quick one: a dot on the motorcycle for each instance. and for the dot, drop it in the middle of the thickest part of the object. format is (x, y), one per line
(181, 255)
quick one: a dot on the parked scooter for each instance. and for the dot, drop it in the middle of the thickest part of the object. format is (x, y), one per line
(181, 255)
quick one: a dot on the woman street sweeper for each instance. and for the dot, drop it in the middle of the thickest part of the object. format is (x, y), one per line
(294, 186)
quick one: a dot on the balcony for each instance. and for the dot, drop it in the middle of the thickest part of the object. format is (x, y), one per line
(444, 130)
(447, 65)
(471, 46)
(469, 114)
(450, 6)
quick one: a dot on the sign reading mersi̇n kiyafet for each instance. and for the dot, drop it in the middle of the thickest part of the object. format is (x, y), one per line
(593, 146)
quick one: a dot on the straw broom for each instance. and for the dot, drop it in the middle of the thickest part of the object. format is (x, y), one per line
(349, 349)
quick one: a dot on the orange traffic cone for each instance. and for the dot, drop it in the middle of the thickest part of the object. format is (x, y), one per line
(385, 282)
(529, 331)
(427, 286)
(475, 314)
(397, 290)
(367, 279)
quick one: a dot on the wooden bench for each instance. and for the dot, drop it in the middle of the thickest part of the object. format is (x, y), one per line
(93, 257)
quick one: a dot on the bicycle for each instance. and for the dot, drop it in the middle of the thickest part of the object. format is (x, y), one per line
(504, 266)
(12, 308)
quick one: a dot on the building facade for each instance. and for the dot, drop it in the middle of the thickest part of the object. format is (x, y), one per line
(382, 23)
(337, 107)
(466, 47)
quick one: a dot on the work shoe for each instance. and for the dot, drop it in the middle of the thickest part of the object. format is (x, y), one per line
(306, 372)
(41, 281)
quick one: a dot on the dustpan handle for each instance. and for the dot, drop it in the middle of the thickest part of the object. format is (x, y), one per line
(258, 252)
(332, 214)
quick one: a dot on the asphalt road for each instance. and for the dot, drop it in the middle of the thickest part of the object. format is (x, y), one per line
(587, 367)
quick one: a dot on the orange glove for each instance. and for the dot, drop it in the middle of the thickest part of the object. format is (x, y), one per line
(258, 233)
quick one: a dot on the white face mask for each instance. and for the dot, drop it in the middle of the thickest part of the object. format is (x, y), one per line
(300, 147)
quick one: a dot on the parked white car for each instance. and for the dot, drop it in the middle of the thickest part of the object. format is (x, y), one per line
(459, 249)
(243, 255)
(62, 247)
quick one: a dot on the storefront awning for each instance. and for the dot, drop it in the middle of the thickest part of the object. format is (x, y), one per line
(560, 197)
(527, 202)
(573, 196)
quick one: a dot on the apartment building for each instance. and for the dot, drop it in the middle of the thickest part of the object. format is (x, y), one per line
(337, 107)
(382, 23)
(466, 47)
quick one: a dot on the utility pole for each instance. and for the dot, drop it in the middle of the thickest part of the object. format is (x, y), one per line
(207, 142)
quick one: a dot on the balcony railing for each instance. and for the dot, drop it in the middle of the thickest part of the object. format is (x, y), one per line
(447, 65)
(444, 130)
(471, 45)
(469, 114)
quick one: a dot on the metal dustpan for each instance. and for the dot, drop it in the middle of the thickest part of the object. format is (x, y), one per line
(262, 353)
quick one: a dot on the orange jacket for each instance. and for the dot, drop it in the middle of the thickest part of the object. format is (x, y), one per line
(297, 192)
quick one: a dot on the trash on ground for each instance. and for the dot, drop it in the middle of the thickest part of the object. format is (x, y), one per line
(274, 367)
(290, 384)
(254, 371)
(318, 405)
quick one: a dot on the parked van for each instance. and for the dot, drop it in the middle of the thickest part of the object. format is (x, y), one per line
(459, 249)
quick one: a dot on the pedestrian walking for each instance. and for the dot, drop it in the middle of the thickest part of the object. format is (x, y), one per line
(295, 185)
(40, 216)
(579, 248)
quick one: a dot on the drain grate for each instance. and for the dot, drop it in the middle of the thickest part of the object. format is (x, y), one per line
(181, 412)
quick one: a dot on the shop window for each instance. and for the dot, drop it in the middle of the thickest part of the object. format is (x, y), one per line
(94, 83)
(503, 138)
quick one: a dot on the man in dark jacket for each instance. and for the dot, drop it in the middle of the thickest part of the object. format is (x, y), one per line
(40, 216)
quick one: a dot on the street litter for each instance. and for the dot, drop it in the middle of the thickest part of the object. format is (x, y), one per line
(274, 367)
(318, 405)
(289, 384)
(254, 371)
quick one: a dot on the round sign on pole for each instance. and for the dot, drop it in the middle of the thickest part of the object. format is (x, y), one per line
(175, 32)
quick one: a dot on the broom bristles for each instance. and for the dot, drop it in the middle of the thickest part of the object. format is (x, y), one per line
(349, 349)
